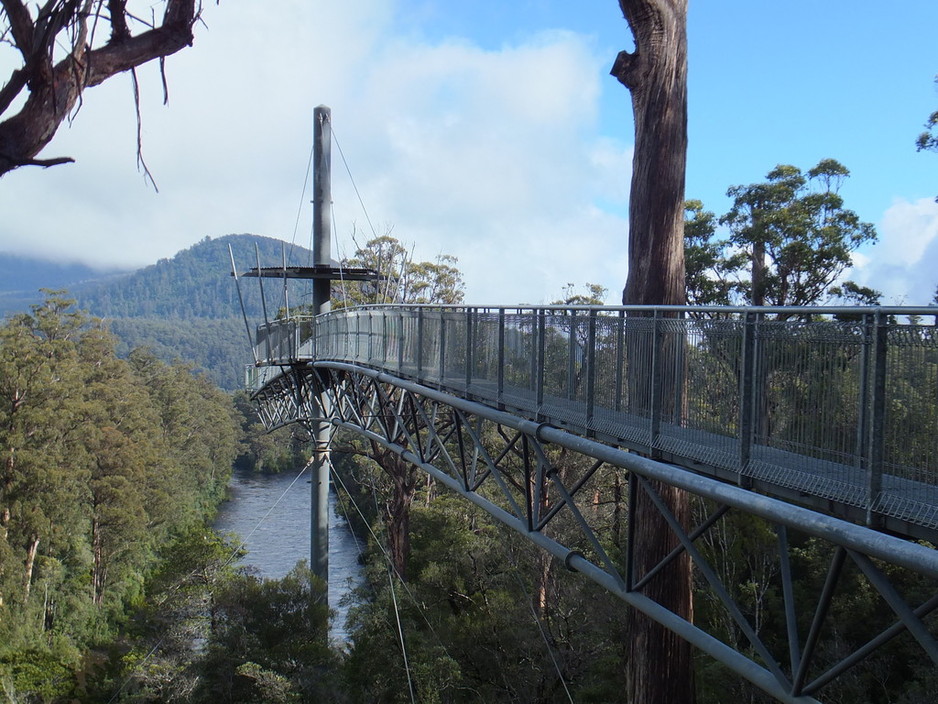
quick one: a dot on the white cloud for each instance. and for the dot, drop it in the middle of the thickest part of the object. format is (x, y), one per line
(903, 264)
(491, 155)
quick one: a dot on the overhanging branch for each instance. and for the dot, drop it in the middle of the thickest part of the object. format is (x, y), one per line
(54, 91)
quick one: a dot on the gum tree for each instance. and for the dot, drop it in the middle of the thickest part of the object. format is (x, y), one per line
(797, 234)
(403, 281)
(660, 663)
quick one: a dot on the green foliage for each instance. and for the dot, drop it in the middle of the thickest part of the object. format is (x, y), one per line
(928, 140)
(854, 294)
(402, 279)
(272, 452)
(34, 675)
(187, 307)
(268, 641)
(591, 295)
(467, 615)
(105, 459)
(196, 283)
(792, 231)
(709, 267)
(183, 308)
(217, 348)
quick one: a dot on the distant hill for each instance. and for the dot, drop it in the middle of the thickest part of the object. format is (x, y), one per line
(196, 283)
(21, 278)
(187, 307)
(183, 308)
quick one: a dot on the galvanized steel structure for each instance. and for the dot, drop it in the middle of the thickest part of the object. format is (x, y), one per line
(801, 417)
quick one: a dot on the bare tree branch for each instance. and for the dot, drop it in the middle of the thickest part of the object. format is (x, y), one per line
(44, 163)
(21, 26)
(119, 29)
(55, 86)
(12, 89)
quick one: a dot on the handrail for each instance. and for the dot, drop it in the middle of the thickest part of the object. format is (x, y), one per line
(838, 404)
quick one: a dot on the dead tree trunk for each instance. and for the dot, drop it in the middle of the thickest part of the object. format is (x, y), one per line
(31, 553)
(660, 665)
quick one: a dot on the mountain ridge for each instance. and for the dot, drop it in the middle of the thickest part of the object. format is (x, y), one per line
(185, 307)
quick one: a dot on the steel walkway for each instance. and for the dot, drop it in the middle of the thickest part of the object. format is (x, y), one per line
(838, 415)
(819, 422)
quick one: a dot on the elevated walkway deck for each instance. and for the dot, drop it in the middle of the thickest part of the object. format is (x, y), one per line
(833, 409)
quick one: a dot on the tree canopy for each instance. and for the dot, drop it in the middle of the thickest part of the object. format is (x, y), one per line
(403, 280)
(64, 48)
(928, 140)
(106, 461)
(790, 242)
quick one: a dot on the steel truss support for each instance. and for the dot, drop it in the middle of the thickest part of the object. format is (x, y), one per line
(543, 482)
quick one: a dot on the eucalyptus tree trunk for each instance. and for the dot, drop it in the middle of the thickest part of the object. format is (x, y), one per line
(660, 665)
(656, 75)
(31, 553)
(397, 510)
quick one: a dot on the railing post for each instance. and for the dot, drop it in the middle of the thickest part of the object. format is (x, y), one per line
(358, 336)
(500, 388)
(862, 446)
(368, 339)
(295, 335)
(442, 345)
(747, 402)
(469, 313)
(680, 372)
(400, 341)
(384, 340)
(420, 343)
(877, 419)
(541, 355)
(571, 357)
(590, 371)
(655, 406)
(620, 359)
(386, 332)
(532, 371)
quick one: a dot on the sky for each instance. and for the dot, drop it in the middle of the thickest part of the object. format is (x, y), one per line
(490, 131)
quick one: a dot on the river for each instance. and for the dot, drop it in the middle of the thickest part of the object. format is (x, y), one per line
(276, 535)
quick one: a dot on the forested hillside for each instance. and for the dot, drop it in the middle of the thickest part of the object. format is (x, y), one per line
(187, 307)
(195, 283)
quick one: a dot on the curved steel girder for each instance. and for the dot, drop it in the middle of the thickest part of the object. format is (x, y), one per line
(504, 464)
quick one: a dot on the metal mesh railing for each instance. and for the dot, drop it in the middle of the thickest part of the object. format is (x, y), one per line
(837, 404)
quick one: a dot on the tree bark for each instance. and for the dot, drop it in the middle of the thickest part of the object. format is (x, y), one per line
(55, 88)
(397, 509)
(98, 567)
(660, 664)
(656, 75)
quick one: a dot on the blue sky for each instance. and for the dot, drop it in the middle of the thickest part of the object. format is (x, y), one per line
(492, 131)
